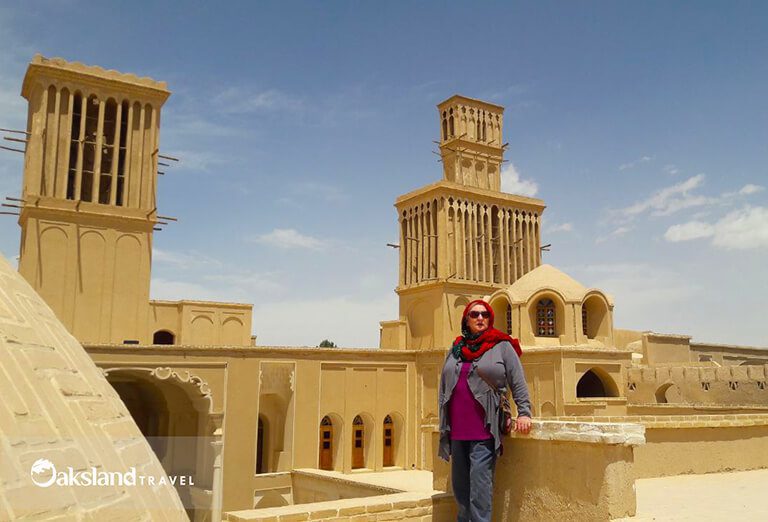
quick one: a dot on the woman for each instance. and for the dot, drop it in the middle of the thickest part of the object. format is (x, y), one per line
(482, 363)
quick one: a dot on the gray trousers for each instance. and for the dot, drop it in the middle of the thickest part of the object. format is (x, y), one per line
(472, 465)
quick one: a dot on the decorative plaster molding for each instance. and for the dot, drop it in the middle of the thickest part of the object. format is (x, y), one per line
(165, 373)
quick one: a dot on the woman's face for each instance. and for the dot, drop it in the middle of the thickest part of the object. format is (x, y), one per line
(480, 322)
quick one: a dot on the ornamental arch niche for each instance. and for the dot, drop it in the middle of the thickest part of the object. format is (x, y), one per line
(595, 317)
(173, 410)
(596, 382)
(668, 393)
(421, 324)
(502, 312)
(459, 304)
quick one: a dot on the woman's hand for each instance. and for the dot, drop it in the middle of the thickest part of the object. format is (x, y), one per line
(522, 425)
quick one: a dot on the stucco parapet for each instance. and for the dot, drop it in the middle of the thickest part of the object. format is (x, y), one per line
(655, 336)
(473, 101)
(210, 304)
(449, 189)
(624, 434)
(60, 65)
(334, 354)
(575, 350)
(727, 347)
(687, 421)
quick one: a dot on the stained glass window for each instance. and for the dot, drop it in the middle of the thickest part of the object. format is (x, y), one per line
(545, 319)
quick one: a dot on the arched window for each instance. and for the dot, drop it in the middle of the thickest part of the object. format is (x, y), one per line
(509, 320)
(163, 337)
(584, 319)
(358, 443)
(545, 318)
(445, 126)
(326, 444)
(389, 442)
(450, 124)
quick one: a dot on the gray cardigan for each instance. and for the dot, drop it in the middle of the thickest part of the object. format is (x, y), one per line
(501, 366)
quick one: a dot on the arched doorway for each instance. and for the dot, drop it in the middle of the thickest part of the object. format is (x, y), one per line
(389, 442)
(358, 443)
(173, 410)
(326, 444)
(167, 418)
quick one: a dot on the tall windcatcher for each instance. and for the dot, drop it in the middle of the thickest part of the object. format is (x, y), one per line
(460, 238)
(89, 201)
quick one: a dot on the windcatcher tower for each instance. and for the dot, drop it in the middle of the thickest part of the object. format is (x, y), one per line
(89, 196)
(460, 238)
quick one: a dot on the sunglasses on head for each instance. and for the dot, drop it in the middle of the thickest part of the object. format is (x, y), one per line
(474, 314)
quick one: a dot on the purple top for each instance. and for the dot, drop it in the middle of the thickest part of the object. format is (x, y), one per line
(466, 414)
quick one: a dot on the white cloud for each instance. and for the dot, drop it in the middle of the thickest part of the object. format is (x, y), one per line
(742, 229)
(184, 260)
(671, 169)
(680, 196)
(347, 322)
(290, 238)
(618, 232)
(165, 289)
(671, 199)
(179, 125)
(749, 189)
(633, 164)
(563, 227)
(251, 282)
(688, 231)
(638, 285)
(239, 100)
(197, 160)
(512, 183)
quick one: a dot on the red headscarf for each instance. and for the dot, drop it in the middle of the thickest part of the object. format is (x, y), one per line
(468, 349)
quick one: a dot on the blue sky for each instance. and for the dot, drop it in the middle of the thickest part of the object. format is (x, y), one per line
(642, 125)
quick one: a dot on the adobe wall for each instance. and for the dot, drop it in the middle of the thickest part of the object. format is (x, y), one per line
(301, 386)
(728, 354)
(703, 444)
(562, 470)
(684, 440)
(698, 384)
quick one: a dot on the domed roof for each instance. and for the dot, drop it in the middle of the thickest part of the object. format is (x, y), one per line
(546, 277)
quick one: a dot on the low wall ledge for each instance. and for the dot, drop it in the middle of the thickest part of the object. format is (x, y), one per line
(617, 433)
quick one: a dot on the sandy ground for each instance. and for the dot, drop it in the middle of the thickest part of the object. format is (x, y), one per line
(738, 496)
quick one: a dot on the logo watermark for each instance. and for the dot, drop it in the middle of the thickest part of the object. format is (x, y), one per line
(44, 474)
